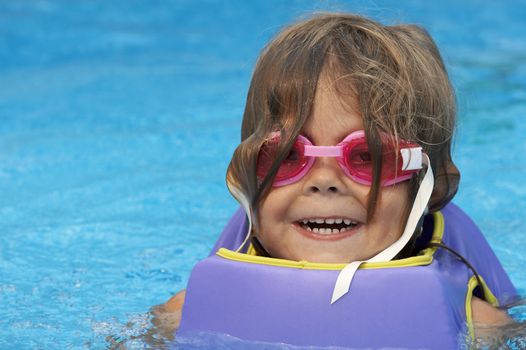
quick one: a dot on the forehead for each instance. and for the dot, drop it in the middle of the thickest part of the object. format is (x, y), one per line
(334, 114)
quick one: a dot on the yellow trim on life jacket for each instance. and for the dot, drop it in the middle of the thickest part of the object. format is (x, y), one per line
(251, 250)
(425, 257)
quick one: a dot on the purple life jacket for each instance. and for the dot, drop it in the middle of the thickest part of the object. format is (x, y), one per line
(418, 302)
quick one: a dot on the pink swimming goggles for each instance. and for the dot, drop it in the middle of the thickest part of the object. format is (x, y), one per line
(352, 155)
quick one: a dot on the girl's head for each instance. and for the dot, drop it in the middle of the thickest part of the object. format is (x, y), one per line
(325, 78)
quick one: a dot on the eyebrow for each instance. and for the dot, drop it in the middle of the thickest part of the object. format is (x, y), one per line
(340, 121)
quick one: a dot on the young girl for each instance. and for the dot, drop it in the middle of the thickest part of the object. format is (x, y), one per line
(346, 158)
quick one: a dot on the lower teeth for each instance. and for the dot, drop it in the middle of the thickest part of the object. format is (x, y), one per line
(327, 231)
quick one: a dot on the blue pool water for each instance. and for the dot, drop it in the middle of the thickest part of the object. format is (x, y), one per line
(118, 120)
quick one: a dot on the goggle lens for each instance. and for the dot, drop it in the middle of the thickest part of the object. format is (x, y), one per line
(358, 160)
(290, 167)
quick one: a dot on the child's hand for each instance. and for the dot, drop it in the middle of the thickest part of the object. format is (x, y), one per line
(485, 314)
(167, 317)
(487, 320)
(165, 320)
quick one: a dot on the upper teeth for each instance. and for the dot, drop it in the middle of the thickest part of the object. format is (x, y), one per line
(330, 221)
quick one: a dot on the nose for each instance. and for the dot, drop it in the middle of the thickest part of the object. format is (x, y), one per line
(325, 178)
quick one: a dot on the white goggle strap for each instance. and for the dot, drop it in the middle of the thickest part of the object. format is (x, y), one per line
(242, 199)
(343, 282)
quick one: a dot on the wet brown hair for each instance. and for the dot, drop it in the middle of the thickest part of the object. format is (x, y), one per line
(396, 73)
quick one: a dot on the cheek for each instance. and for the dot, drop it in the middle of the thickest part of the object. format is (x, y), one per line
(275, 206)
(269, 217)
(274, 214)
(393, 206)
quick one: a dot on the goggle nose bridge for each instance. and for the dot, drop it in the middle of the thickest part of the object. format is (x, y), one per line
(323, 151)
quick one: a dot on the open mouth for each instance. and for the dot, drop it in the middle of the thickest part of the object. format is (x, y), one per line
(328, 226)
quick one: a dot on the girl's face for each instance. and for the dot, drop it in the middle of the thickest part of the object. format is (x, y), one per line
(326, 193)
